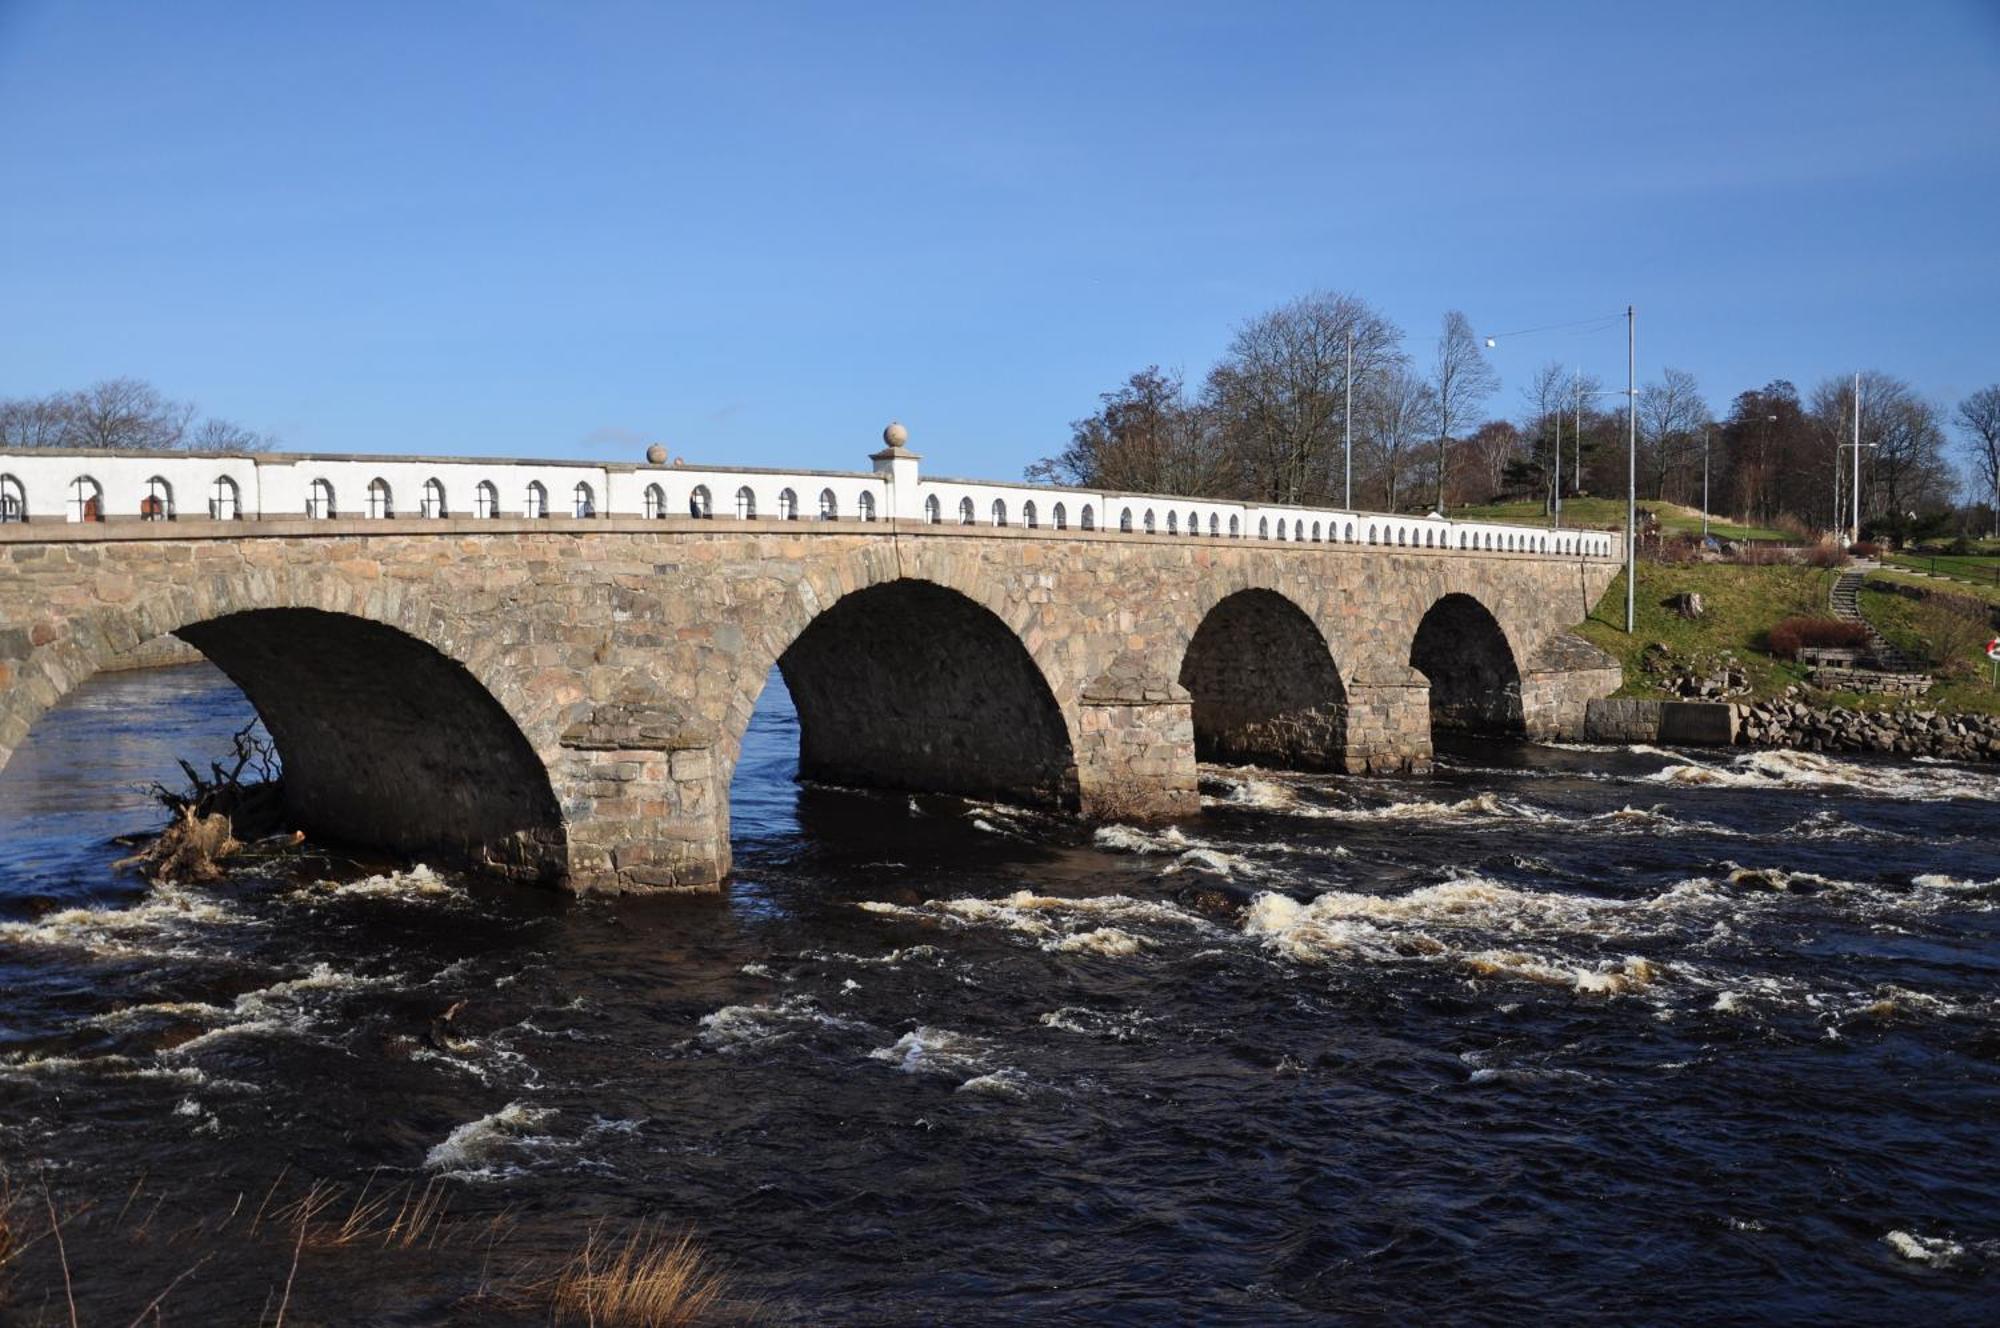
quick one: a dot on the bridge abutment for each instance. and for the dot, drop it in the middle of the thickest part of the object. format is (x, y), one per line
(1564, 676)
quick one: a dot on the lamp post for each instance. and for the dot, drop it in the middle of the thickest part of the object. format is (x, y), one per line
(1856, 495)
(1631, 466)
(1631, 440)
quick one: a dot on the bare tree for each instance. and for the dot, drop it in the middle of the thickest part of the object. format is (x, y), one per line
(225, 436)
(1548, 416)
(1903, 466)
(30, 422)
(1979, 416)
(1280, 390)
(119, 414)
(1671, 416)
(1461, 380)
(1393, 418)
(1146, 436)
(126, 413)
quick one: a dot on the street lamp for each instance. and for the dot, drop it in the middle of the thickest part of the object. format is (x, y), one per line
(1631, 439)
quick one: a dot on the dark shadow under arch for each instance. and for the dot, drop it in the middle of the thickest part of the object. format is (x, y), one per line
(389, 744)
(1475, 682)
(1265, 687)
(908, 685)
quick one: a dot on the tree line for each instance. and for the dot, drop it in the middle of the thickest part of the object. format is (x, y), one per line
(120, 414)
(1268, 423)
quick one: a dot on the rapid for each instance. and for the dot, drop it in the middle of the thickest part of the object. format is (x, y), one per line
(1560, 1033)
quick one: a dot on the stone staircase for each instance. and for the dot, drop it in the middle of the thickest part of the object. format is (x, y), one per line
(1845, 602)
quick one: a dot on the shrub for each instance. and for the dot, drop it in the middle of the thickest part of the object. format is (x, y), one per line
(1865, 549)
(1825, 554)
(1793, 634)
(1680, 551)
(1760, 553)
(1793, 526)
(1954, 632)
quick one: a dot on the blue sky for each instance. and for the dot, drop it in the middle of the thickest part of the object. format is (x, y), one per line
(757, 232)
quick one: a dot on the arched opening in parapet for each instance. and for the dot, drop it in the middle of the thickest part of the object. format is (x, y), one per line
(1475, 682)
(1265, 687)
(907, 686)
(385, 742)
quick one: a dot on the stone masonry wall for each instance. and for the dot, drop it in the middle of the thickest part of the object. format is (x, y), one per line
(628, 655)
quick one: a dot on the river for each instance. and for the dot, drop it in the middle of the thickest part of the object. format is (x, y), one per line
(1559, 1034)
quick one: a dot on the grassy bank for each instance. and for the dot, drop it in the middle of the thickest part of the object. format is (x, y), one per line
(1610, 513)
(1987, 591)
(1741, 604)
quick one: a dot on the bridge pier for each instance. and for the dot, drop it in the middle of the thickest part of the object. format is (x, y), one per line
(1135, 746)
(1389, 724)
(640, 790)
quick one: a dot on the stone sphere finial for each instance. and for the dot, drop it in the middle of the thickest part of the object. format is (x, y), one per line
(656, 455)
(895, 435)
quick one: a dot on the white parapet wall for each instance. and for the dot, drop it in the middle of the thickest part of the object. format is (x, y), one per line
(41, 488)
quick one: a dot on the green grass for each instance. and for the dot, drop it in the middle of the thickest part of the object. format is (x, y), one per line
(1982, 571)
(1741, 604)
(1610, 513)
(1968, 589)
(1895, 617)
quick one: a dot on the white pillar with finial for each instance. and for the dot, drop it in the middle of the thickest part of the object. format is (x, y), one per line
(899, 465)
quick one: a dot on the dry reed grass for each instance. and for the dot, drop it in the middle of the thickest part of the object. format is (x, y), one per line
(649, 1280)
(408, 1218)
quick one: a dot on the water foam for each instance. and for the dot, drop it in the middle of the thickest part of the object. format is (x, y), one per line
(940, 1051)
(1937, 1251)
(475, 1145)
(736, 1027)
(1395, 928)
(1058, 925)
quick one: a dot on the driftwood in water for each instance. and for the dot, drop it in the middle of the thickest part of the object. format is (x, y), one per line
(216, 814)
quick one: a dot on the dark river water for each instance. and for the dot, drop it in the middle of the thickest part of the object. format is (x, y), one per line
(1557, 1035)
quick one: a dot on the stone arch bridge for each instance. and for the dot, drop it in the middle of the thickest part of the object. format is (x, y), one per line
(568, 703)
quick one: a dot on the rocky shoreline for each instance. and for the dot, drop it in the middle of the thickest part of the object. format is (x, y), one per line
(1788, 722)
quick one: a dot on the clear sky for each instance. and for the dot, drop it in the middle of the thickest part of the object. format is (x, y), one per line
(757, 232)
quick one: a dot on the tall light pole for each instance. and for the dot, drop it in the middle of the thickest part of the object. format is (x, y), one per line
(1577, 487)
(1631, 465)
(1856, 538)
(1347, 445)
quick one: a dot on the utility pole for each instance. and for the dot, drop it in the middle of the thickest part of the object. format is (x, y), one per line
(1631, 466)
(1347, 494)
(1577, 486)
(1856, 495)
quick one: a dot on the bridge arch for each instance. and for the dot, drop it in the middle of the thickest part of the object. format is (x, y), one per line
(1474, 673)
(910, 684)
(386, 738)
(1264, 685)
